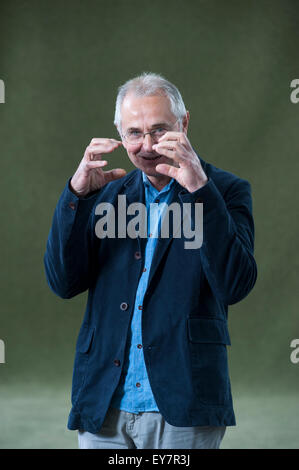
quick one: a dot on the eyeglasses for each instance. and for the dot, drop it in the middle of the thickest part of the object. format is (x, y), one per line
(136, 137)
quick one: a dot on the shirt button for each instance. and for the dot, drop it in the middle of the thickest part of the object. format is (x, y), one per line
(124, 306)
(137, 255)
(139, 346)
(116, 362)
(138, 384)
(72, 205)
(139, 307)
(144, 269)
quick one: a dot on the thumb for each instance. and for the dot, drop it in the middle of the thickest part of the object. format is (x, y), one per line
(167, 170)
(114, 174)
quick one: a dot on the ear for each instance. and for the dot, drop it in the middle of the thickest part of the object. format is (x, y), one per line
(185, 122)
(120, 136)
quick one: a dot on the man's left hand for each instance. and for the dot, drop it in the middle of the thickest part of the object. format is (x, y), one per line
(187, 170)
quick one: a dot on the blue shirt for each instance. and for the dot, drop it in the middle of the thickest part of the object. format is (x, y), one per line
(133, 393)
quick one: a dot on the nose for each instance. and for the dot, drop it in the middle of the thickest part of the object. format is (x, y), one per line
(147, 143)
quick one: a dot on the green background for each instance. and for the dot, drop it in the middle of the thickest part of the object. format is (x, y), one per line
(62, 62)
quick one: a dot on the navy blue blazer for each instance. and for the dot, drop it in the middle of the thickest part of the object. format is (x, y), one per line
(184, 314)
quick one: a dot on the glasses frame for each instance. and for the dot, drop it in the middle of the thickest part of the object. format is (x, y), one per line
(124, 136)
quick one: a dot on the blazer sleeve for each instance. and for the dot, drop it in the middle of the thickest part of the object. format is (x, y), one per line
(227, 251)
(68, 260)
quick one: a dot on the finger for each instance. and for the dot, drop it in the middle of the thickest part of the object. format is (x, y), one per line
(179, 137)
(176, 136)
(94, 152)
(114, 174)
(174, 145)
(167, 170)
(89, 165)
(96, 140)
(98, 148)
(168, 151)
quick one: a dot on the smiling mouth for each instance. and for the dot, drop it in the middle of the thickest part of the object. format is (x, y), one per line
(152, 158)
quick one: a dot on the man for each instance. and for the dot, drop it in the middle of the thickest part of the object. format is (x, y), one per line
(151, 367)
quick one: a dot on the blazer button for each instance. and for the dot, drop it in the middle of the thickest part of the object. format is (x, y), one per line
(137, 255)
(116, 362)
(124, 306)
(72, 205)
(199, 200)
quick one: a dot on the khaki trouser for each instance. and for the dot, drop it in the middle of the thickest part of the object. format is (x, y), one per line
(148, 430)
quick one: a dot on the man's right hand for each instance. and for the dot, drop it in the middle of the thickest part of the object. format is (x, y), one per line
(89, 175)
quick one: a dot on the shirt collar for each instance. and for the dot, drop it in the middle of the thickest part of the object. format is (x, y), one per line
(149, 185)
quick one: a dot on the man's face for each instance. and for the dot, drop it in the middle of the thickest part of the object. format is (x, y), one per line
(145, 114)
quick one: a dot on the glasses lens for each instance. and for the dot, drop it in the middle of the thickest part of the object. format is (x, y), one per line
(133, 137)
(158, 133)
(136, 137)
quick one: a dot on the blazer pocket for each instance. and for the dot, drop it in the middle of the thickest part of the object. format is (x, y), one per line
(85, 339)
(208, 338)
(208, 330)
(80, 371)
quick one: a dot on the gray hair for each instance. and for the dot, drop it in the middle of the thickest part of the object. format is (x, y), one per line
(149, 84)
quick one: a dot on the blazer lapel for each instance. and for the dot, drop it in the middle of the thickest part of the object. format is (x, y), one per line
(163, 243)
(135, 193)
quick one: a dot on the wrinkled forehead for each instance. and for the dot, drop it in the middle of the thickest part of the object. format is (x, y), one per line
(140, 111)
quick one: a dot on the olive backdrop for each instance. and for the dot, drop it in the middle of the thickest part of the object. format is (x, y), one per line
(62, 62)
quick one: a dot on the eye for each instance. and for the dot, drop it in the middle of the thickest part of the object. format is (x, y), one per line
(134, 133)
(159, 131)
